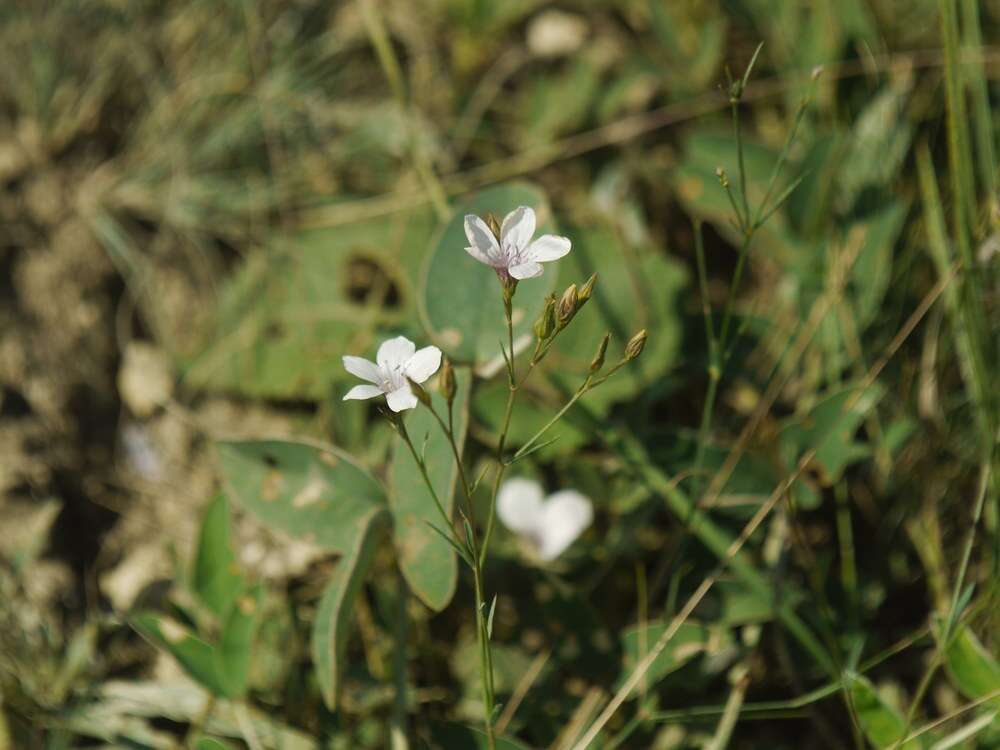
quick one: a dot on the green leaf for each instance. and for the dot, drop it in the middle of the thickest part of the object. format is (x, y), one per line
(459, 737)
(216, 579)
(460, 299)
(236, 642)
(829, 428)
(317, 494)
(291, 310)
(209, 743)
(691, 639)
(637, 287)
(881, 724)
(426, 560)
(195, 656)
(332, 625)
(973, 669)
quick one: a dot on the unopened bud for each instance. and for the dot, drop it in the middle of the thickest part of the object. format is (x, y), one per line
(568, 304)
(494, 225)
(546, 322)
(422, 396)
(598, 361)
(723, 177)
(447, 380)
(635, 345)
(587, 289)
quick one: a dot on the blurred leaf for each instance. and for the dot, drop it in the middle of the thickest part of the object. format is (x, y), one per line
(460, 300)
(316, 494)
(459, 737)
(289, 313)
(489, 403)
(333, 616)
(208, 743)
(690, 640)
(216, 579)
(881, 724)
(637, 287)
(197, 657)
(873, 267)
(236, 641)
(558, 103)
(973, 669)
(427, 561)
(829, 429)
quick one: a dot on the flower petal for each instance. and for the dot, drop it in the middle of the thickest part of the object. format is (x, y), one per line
(395, 352)
(525, 270)
(517, 228)
(362, 368)
(482, 239)
(565, 515)
(401, 399)
(479, 255)
(423, 364)
(519, 505)
(360, 392)
(547, 247)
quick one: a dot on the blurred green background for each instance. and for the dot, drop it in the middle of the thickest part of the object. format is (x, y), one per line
(205, 203)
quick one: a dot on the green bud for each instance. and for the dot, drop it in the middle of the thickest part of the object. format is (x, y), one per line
(568, 305)
(546, 322)
(635, 345)
(587, 289)
(447, 380)
(598, 361)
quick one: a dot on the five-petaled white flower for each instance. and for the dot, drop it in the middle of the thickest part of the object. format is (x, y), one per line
(397, 363)
(515, 255)
(550, 524)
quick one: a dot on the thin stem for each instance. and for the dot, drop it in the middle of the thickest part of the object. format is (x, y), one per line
(427, 480)
(745, 218)
(548, 425)
(397, 729)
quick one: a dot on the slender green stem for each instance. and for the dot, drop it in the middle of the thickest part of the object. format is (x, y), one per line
(745, 218)
(449, 526)
(548, 425)
(397, 728)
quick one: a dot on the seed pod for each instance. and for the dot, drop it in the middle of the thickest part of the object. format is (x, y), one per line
(587, 289)
(494, 225)
(598, 361)
(635, 345)
(568, 305)
(546, 322)
(447, 380)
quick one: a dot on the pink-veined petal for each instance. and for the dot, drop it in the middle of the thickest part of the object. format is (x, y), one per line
(361, 392)
(525, 270)
(401, 398)
(565, 515)
(482, 239)
(362, 368)
(517, 228)
(395, 352)
(423, 364)
(519, 505)
(547, 247)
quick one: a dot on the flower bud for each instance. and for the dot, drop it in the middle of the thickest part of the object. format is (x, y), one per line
(447, 380)
(422, 396)
(587, 289)
(723, 177)
(598, 361)
(635, 345)
(493, 223)
(568, 305)
(546, 322)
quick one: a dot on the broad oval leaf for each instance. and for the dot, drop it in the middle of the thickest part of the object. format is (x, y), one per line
(426, 560)
(332, 624)
(195, 656)
(317, 494)
(975, 672)
(881, 723)
(460, 298)
(692, 639)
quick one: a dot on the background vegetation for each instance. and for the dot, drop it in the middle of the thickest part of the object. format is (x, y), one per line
(205, 203)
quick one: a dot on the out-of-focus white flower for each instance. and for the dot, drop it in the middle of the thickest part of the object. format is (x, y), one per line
(396, 364)
(550, 523)
(515, 255)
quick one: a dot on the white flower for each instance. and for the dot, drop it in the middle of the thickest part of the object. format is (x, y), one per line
(551, 524)
(398, 362)
(515, 255)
